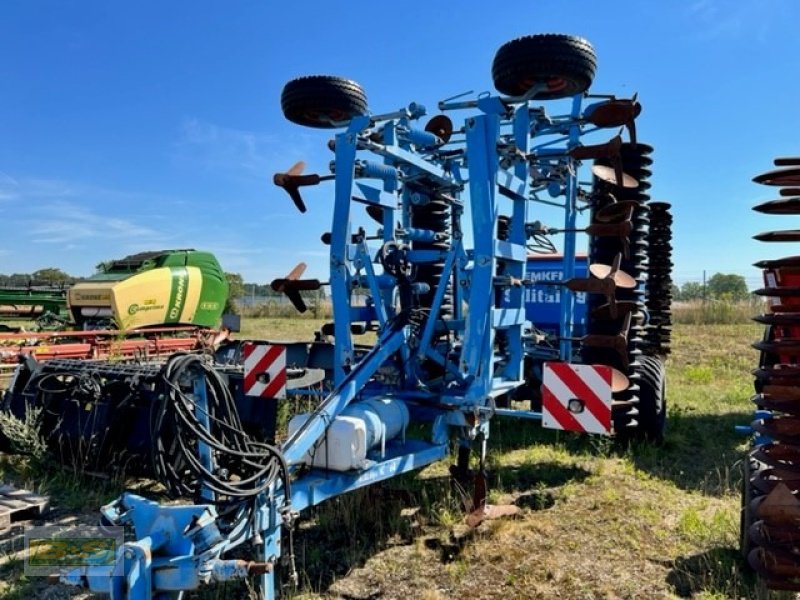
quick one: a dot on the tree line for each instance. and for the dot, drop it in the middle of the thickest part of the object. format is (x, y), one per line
(720, 286)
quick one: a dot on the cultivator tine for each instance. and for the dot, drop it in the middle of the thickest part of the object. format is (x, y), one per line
(621, 230)
(617, 113)
(614, 309)
(292, 285)
(292, 181)
(621, 278)
(605, 280)
(618, 343)
(608, 150)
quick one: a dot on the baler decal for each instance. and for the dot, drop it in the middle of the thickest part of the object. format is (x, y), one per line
(177, 295)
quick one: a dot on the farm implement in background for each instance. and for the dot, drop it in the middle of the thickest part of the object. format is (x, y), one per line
(33, 301)
(144, 306)
(447, 278)
(770, 518)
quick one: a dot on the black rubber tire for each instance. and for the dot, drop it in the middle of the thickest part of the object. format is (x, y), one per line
(567, 63)
(322, 101)
(652, 400)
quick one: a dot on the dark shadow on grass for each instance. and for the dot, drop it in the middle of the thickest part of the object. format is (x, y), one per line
(508, 433)
(531, 476)
(701, 452)
(342, 534)
(718, 571)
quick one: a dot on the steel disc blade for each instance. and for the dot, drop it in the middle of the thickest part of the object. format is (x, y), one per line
(788, 235)
(777, 263)
(779, 177)
(778, 292)
(783, 308)
(786, 318)
(619, 211)
(375, 212)
(787, 346)
(785, 405)
(608, 175)
(781, 428)
(784, 206)
(777, 373)
(787, 161)
(619, 382)
(441, 126)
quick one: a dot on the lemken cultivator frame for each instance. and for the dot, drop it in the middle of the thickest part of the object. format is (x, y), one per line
(442, 285)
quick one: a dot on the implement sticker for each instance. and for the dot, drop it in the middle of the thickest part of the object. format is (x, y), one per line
(51, 550)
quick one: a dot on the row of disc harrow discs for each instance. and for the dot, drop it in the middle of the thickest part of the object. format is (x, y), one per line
(770, 523)
(647, 259)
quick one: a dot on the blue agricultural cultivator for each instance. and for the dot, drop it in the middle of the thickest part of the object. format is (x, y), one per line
(439, 252)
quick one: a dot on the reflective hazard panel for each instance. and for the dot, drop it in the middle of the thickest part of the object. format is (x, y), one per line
(264, 370)
(577, 397)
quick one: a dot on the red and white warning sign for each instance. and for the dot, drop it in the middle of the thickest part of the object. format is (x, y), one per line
(577, 397)
(264, 370)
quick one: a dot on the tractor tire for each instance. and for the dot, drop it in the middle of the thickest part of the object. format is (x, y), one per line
(565, 63)
(322, 101)
(652, 400)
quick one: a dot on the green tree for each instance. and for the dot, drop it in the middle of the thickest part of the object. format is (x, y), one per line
(236, 290)
(691, 290)
(52, 276)
(728, 286)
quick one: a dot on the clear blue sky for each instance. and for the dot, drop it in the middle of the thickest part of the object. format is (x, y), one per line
(129, 126)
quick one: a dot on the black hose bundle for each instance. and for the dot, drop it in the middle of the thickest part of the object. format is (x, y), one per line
(243, 467)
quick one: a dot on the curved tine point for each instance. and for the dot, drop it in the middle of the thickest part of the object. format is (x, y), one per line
(297, 168)
(297, 272)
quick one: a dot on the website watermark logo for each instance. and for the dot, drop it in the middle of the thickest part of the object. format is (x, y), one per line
(52, 550)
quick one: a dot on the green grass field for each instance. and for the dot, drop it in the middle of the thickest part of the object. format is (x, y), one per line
(598, 521)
